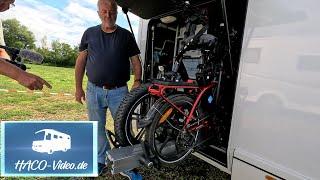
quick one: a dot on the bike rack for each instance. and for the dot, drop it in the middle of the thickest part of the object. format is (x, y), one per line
(128, 158)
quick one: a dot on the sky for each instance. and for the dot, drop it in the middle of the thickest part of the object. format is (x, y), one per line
(62, 20)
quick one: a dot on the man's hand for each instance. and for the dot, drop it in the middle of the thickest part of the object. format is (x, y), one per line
(80, 95)
(136, 84)
(32, 81)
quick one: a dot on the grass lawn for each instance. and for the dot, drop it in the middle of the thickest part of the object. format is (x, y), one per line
(61, 79)
(26, 106)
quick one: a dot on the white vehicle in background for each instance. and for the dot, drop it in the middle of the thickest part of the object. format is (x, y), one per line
(50, 140)
(274, 116)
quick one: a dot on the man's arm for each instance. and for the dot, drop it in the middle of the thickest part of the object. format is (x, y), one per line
(137, 70)
(28, 80)
(79, 73)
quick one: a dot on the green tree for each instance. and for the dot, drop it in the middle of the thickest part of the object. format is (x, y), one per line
(60, 54)
(17, 35)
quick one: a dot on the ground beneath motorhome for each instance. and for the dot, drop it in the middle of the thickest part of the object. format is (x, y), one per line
(190, 168)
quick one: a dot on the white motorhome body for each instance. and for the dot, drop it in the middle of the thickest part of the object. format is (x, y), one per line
(276, 114)
(276, 118)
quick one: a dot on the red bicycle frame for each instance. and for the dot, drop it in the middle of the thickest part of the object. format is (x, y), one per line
(158, 89)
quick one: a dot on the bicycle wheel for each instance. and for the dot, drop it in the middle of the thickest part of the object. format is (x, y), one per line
(167, 139)
(132, 109)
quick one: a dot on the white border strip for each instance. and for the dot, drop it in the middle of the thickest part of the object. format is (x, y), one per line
(35, 92)
(2, 142)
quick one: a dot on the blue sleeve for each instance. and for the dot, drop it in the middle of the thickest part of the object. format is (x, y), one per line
(132, 46)
(84, 42)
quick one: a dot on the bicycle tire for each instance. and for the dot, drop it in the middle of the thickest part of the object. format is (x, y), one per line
(179, 100)
(123, 120)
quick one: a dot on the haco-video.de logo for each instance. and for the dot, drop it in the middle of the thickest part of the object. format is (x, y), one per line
(48, 148)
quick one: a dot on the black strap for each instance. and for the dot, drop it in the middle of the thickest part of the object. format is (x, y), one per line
(125, 11)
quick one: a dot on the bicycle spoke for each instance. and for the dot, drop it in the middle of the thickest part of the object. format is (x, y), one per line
(171, 125)
(139, 135)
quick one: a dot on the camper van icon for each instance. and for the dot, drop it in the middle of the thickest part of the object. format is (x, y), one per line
(50, 140)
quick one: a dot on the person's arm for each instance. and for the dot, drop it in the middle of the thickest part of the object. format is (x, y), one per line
(79, 73)
(26, 79)
(9, 70)
(137, 70)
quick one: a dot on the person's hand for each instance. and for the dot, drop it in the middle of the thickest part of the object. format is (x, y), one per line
(80, 95)
(5, 4)
(4, 54)
(32, 81)
(136, 84)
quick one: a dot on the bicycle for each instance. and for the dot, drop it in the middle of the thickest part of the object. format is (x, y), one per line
(177, 121)
(130, 121)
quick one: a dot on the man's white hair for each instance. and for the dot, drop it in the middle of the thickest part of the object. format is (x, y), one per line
(112, 2)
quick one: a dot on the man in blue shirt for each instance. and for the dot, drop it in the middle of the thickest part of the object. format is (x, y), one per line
(105, 51)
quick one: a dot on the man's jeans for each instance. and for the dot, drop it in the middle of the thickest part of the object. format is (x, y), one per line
(98, 100)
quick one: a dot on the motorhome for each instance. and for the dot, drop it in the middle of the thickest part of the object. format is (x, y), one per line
(271, 104)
